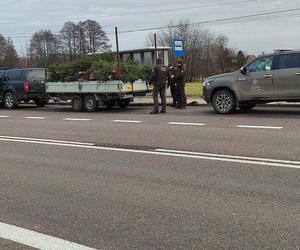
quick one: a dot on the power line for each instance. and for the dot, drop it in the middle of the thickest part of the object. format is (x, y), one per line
(230, 19)
(139, 13)
(290, 13)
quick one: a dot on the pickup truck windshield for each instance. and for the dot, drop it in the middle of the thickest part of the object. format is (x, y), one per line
(37, 75)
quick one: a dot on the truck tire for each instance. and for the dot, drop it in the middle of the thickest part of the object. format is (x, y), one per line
(246, 106)
(224, 102)
(123, 103)
(10, 101)
(90, 103)
(77, 103)
(110, 104)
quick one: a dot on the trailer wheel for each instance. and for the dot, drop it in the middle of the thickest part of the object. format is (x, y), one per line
(90, 103)
(77, 103)
(123, 103)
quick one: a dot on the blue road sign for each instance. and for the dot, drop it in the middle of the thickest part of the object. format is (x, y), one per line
(178, 47)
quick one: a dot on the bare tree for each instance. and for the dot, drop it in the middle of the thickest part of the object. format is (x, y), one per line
(68, 37)
(8, 53)
(44, 48)
(83, 38)
(206, 53)
(97, 40)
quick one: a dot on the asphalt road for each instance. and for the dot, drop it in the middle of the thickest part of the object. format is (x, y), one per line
(123, 179)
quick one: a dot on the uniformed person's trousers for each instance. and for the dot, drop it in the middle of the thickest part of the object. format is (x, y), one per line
(173, 88)
(181, 97)
(162, 92)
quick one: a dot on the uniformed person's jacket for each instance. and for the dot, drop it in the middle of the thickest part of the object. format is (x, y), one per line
(180, 73)
(160, 75)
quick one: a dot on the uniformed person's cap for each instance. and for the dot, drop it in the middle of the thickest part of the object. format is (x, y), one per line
(180, 61)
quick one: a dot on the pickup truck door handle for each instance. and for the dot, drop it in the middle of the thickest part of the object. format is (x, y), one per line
(297, 74)
(267, 76)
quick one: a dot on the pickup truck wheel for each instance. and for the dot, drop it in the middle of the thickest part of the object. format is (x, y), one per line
(110, 104)
(224, 102)
(77, 103)
(123, 103)
(246, 106)
(10, 101)
(90, 103)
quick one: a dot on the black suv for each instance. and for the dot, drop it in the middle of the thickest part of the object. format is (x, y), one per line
(17, 85)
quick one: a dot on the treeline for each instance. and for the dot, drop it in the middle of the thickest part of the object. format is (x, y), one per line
(8, 53)
(207, 53)
(74, 41)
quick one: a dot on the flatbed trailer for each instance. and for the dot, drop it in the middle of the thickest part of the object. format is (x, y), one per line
(87, 95)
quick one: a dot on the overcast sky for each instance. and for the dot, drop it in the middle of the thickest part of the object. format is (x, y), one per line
(22, 18)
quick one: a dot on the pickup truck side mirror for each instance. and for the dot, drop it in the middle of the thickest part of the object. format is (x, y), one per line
(244, 71)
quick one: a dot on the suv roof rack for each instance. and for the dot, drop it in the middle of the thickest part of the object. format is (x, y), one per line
(4, 68)
(278, 51)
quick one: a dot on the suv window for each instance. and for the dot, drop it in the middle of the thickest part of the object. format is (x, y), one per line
(1, 76)
(15, 75)
(289, 61)
(261, 64)
(36, 75)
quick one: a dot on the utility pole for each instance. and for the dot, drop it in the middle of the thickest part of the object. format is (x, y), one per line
(118, 53)
(155, 48)
(45, 60)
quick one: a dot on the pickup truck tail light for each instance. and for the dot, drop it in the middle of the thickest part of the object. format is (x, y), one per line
(26, 86)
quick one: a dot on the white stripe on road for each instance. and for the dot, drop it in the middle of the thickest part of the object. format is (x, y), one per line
(37, 240)
(4, 116)
(35, 118)
(228, 156)
(77, 119)
(46, 140)
(180, 154)
(186, 124)
(126, 121)
(259, 127)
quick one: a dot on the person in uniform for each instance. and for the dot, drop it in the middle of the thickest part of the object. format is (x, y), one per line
(179, 78)
(172, 85)
(160, 77)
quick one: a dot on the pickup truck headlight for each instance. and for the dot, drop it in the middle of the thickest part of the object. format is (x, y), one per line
(208, 82)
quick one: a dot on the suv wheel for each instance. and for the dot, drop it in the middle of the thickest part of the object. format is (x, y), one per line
(224, 102)
(246, 106)
(10, 101)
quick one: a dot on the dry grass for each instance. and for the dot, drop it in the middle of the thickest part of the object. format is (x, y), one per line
(193, 89)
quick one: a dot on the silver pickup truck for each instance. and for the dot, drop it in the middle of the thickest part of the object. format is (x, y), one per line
(87, 95)
(269, 78)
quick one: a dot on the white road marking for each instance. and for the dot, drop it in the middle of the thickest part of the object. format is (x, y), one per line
(228, 156)
(186, 124)
(4, 116)
(35, 118)
(37, 240)
(180, 154)
(259, 127)
(76, 119)
(126, 121)
(46, 140)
